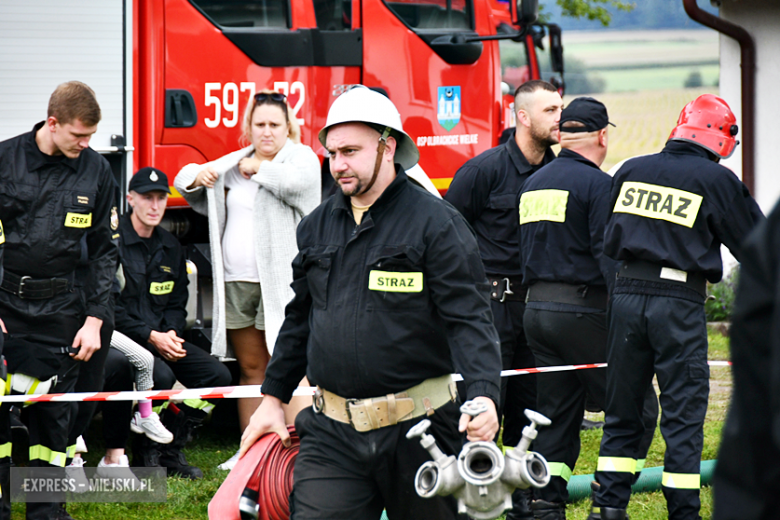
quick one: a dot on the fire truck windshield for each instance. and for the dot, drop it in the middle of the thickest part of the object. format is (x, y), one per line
(268, 13)
(434, 14)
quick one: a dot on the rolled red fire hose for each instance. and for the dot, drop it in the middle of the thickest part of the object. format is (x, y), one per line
(259, 485)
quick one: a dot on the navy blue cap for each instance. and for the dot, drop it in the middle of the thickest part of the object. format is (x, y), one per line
(588, 111)
(149, 179)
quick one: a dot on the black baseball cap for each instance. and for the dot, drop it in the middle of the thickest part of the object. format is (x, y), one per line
(149, 179)
(588, 111)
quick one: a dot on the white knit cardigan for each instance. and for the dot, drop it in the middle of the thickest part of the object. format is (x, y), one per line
(289, 190)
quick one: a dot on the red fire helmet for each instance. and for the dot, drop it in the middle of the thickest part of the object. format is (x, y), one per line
(709, 122)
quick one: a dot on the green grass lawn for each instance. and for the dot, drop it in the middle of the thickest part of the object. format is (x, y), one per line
(652, 506)
(215, 443)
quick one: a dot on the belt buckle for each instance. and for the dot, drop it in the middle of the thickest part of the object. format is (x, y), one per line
(20, 290)
(348, 402)
(318, 403)
(506, 291)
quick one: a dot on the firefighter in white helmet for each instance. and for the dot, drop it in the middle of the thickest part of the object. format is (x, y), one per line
(390, 299)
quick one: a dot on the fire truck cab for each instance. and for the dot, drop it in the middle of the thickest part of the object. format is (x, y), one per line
(173, 76)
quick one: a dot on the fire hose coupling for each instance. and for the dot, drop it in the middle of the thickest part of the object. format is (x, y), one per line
(482, 478)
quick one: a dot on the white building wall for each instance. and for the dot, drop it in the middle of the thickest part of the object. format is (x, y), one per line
(761, 18)
(47, 42)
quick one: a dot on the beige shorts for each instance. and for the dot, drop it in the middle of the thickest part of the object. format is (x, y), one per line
(244, 305)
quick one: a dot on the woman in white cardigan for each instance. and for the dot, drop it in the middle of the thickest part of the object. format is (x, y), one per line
(261, 191)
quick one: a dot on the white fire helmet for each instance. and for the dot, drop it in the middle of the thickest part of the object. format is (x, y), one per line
(363, 105)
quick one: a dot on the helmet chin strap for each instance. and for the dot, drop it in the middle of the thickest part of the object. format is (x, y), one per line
(380, 151)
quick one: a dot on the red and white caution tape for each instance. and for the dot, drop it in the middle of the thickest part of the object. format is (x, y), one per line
(237, 392)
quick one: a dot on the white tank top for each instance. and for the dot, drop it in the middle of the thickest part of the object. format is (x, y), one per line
(238, 244)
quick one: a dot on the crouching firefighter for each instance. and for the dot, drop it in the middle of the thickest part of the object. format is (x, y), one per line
(390, 299)
(151, 311)
(670, 213)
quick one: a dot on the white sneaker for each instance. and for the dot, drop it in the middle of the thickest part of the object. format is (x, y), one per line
(152, 427)
(119, 469)
(230, 463)
(75, 472)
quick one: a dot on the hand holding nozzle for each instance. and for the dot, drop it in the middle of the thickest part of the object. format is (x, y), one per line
(473, 408)
(479, 419)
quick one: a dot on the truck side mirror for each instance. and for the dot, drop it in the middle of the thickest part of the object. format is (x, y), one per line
(556, 48)
(527, 12)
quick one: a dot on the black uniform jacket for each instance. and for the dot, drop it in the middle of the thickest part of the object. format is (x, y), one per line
(47, 204)
(2, 248)
(563, 210)
(485, 191)
(746, 476)
(382, 306)
(676, 208)
(155, 292)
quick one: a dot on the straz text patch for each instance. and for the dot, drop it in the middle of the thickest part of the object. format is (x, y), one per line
(395, 282)
(658, 202)
(78, 220)
(160, 288)
(543, 205)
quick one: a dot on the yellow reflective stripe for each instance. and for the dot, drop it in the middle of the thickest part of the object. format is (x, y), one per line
(618, 464)
(506, 449)
(543, 205)
(658, 202)
(78, 220)
(5, 450)
(40, 452)
(559, 469)
(2, 235)
(199, 404)
(640, 465)
(70, 451)
(681, 480)
(160, 288)
(395, 282)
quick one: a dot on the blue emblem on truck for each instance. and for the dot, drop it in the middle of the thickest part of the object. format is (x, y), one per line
(448, 109)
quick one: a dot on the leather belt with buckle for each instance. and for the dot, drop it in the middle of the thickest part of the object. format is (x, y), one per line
(507, 289)
(583, 295)
(378, 412)
(28, 288)
(652, 272)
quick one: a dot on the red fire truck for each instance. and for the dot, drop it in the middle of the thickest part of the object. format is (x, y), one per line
(173, 76)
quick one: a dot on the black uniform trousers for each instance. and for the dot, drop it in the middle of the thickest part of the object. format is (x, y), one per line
(198, 369)
(517, 392)
(342, 474)
(52, 323)
(572, 338)
(666, 335)
(120, 376)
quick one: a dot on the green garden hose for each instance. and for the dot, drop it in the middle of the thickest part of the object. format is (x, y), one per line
(649, 480)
